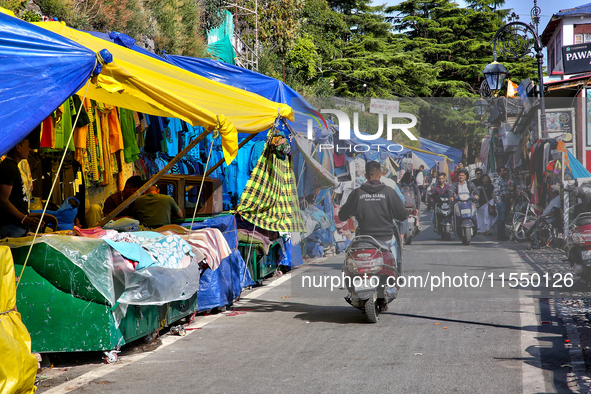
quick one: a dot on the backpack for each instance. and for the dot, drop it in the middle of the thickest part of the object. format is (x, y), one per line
(409, 196)
(407, 164)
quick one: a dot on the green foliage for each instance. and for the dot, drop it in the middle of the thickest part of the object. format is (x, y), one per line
(174, 25)
(304, 58)
(66, 11)
(31, 16)
(325, 27)
(272, 65)
(12, 5)
(212, 13)
(278, 24)
(382, 65)
(124, 16)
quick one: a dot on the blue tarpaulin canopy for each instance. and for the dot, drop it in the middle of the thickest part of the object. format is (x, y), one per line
(39, 70)
(576, 168)
(432, 146)
(238, 77)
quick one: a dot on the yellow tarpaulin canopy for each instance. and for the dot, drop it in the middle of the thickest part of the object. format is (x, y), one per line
(144, 84)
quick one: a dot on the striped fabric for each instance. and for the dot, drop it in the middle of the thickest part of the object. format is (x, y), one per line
(271, 191)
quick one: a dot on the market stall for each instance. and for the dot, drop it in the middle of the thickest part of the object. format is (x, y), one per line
(97, 137)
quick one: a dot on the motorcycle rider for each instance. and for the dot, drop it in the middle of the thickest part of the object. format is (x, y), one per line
(375, 206)
(440, 189)
(463, 188)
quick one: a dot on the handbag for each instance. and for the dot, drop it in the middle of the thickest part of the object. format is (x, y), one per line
(492, 209)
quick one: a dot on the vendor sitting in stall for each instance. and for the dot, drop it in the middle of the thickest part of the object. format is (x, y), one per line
(95, 213)
(15, 220)
(154, 209)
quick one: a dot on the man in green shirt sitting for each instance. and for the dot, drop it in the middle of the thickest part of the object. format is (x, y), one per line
(154, 209)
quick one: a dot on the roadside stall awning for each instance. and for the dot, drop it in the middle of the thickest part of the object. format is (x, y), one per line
(239, 77)
(454, 154)
(39, 70)
(145, 84)
(251, 81)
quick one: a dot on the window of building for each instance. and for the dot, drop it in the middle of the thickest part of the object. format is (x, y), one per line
(578, 39)
(551, 59)
(587, 37)
(558, 50)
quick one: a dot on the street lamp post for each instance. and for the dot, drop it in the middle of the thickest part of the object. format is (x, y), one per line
(481, 105)
(514, 43)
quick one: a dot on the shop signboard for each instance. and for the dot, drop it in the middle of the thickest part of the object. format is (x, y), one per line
(559, 123)
(576, 58)
(384, 106)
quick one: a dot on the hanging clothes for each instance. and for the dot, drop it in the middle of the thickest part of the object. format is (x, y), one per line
(64, 126)
(154, 134)
(48, 132)
(128, 132)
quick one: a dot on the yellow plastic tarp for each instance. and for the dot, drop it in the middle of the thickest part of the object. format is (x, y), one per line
(7, 12)
(145, 84)
(18, 367)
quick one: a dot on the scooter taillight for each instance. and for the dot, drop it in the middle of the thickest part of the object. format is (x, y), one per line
(583, 236)
(365, 261)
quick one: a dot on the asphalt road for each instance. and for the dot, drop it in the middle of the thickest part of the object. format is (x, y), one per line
(299, 340)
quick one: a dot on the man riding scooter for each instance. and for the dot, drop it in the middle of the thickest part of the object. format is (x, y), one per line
(464, 211)
(440, 191)
(375, 206)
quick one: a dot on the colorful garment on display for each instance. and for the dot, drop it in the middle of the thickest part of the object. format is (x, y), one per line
(210, 241)
(128, 131)
(270, 199)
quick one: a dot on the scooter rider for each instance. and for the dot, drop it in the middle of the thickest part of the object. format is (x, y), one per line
(464, 189)
(438, 190)
(375, 206)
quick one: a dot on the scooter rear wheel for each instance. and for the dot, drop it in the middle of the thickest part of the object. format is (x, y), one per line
(467, 239)
(372, 311)
(408, 238)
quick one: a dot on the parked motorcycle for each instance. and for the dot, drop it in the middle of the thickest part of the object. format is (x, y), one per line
(578, 247)
(443, 217)
(369, 264)
(465, 220)
(522, 214)
(578, 241)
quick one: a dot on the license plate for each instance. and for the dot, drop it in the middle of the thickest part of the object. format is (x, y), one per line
(411, 220)
(466, 211)
(365, 285)
(586, 254)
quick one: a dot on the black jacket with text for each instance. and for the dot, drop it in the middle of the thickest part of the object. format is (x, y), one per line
(375, 206)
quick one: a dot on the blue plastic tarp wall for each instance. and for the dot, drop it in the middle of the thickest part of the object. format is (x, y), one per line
(454, 154)
(39, 70)
(222, 286)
